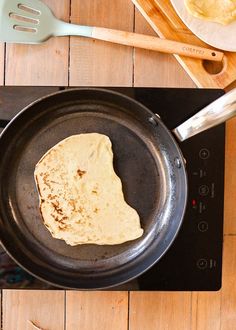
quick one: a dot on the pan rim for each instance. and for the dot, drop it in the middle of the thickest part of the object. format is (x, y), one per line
(151, 114)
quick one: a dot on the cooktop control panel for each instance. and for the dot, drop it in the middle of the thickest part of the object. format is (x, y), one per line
(194, 261)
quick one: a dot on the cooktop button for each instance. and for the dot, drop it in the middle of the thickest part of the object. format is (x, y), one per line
(202, 263)
(204, 153)
(203, 190)
(202, 207)
(203, 226)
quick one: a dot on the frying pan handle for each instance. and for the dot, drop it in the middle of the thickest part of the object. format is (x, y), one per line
(212, 115)
(3, 123)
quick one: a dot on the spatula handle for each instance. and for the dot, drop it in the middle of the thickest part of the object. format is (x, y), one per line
(137, 40)
(155, 43)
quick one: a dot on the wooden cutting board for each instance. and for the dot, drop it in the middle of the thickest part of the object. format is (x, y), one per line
(166, 23)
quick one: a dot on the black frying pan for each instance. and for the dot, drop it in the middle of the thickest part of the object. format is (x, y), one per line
(146, 158)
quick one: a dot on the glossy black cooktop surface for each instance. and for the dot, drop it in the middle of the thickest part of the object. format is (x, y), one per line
(194, 261)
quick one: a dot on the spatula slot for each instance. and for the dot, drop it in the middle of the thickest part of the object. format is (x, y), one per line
(29, 9)
(24, 29)
(24, 18)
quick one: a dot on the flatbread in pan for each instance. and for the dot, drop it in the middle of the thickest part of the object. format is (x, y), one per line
(81, 198)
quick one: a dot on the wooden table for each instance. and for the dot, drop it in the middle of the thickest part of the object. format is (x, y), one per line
(76, 62)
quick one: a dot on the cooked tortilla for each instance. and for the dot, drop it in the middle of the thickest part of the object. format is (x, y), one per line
(81, 198)
(219, 11)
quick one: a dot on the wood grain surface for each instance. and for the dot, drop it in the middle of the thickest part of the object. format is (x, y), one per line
(230, 178)
(45, 309)
(160, 311)
(45, 64)
(98, 63)
(228, 303)
(95, 62)
(156, 69)
(96, 310)
(206, 310)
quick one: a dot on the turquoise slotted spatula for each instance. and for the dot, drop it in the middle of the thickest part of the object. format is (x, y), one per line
(32, 22)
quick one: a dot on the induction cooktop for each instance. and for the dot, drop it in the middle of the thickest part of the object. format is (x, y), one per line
(194, 261)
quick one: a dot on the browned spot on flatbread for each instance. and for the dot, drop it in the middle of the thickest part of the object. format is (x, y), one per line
(54, 182)
(45, 177)
(62, 228)
(57, 218)
(81, 209)
(72, 203)
(52, 197)
(81, 173)
(57, 208)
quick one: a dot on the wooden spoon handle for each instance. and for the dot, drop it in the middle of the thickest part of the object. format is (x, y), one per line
(155, 43)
